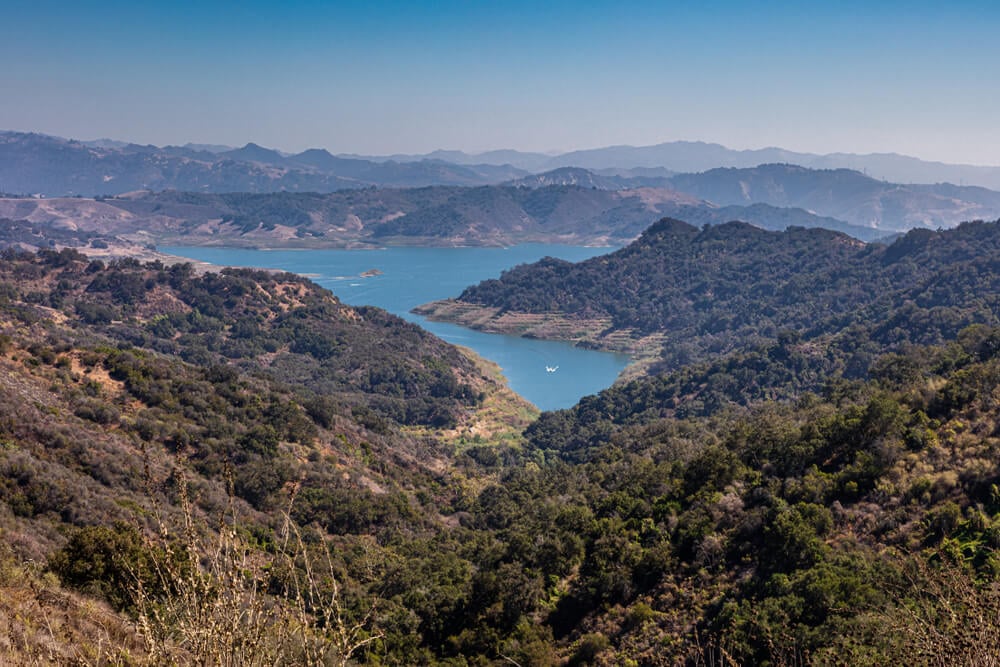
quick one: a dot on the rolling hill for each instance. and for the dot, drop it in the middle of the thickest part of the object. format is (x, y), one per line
(488, 215)
(843, 194)
(680, 294)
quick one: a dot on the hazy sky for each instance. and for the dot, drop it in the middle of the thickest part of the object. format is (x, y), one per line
(919, 78)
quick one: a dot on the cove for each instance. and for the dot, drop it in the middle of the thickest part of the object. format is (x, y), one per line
(408, 277)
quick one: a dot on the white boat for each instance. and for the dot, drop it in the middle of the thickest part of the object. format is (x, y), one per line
(551, 369)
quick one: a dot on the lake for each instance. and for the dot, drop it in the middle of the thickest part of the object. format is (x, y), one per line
(413, 276)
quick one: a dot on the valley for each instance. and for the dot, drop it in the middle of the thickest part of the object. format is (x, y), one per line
(745, 428)
(492, 334)
(407, 277)
(810, 472)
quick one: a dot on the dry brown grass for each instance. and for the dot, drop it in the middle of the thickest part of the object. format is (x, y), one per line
(44, 624)
(216, 610)
(502, 416)
(944, 617)
(548, 326)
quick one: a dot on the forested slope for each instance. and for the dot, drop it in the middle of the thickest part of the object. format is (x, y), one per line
(723, 288)
(802, 500)
(853, 526)
(126, 389)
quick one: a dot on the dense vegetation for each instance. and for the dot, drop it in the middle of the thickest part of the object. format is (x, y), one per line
(724, 288)
(363, 358)
(814, 493)
(792, 532)
(125, 388)
(229, 372)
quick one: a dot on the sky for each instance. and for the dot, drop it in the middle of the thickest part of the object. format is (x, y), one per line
(376, 78)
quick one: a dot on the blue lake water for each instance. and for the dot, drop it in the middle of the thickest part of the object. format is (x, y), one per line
(413, 276)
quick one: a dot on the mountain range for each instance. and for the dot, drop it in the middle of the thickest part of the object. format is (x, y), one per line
(35, 163)
(439, 215)
(257, 196)
(31, 163)
(694, 156)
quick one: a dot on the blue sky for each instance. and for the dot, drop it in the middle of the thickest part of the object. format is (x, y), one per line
(916, 78)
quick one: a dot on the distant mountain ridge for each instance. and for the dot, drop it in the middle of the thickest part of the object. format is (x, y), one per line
(35, 163)
(439, 215)
(696, 156)
(842, 194)
(481, 168)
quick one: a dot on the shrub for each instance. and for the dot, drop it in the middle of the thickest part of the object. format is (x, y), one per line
(104, 561)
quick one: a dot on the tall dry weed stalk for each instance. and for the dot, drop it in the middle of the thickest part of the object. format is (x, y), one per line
(944, 616)
(206, 602)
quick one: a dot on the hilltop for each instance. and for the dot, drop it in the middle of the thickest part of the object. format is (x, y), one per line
(843, 194)
(680, 294)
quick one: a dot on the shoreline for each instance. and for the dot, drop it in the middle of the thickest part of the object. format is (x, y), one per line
(590, 334)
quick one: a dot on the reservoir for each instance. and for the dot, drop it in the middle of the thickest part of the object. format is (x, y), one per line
(401, 278)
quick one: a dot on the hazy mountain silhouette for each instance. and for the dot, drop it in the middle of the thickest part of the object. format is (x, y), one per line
(36, 163)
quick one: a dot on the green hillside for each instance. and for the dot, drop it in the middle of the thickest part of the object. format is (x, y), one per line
(701, 292)
(237, 468)
(127, 388)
